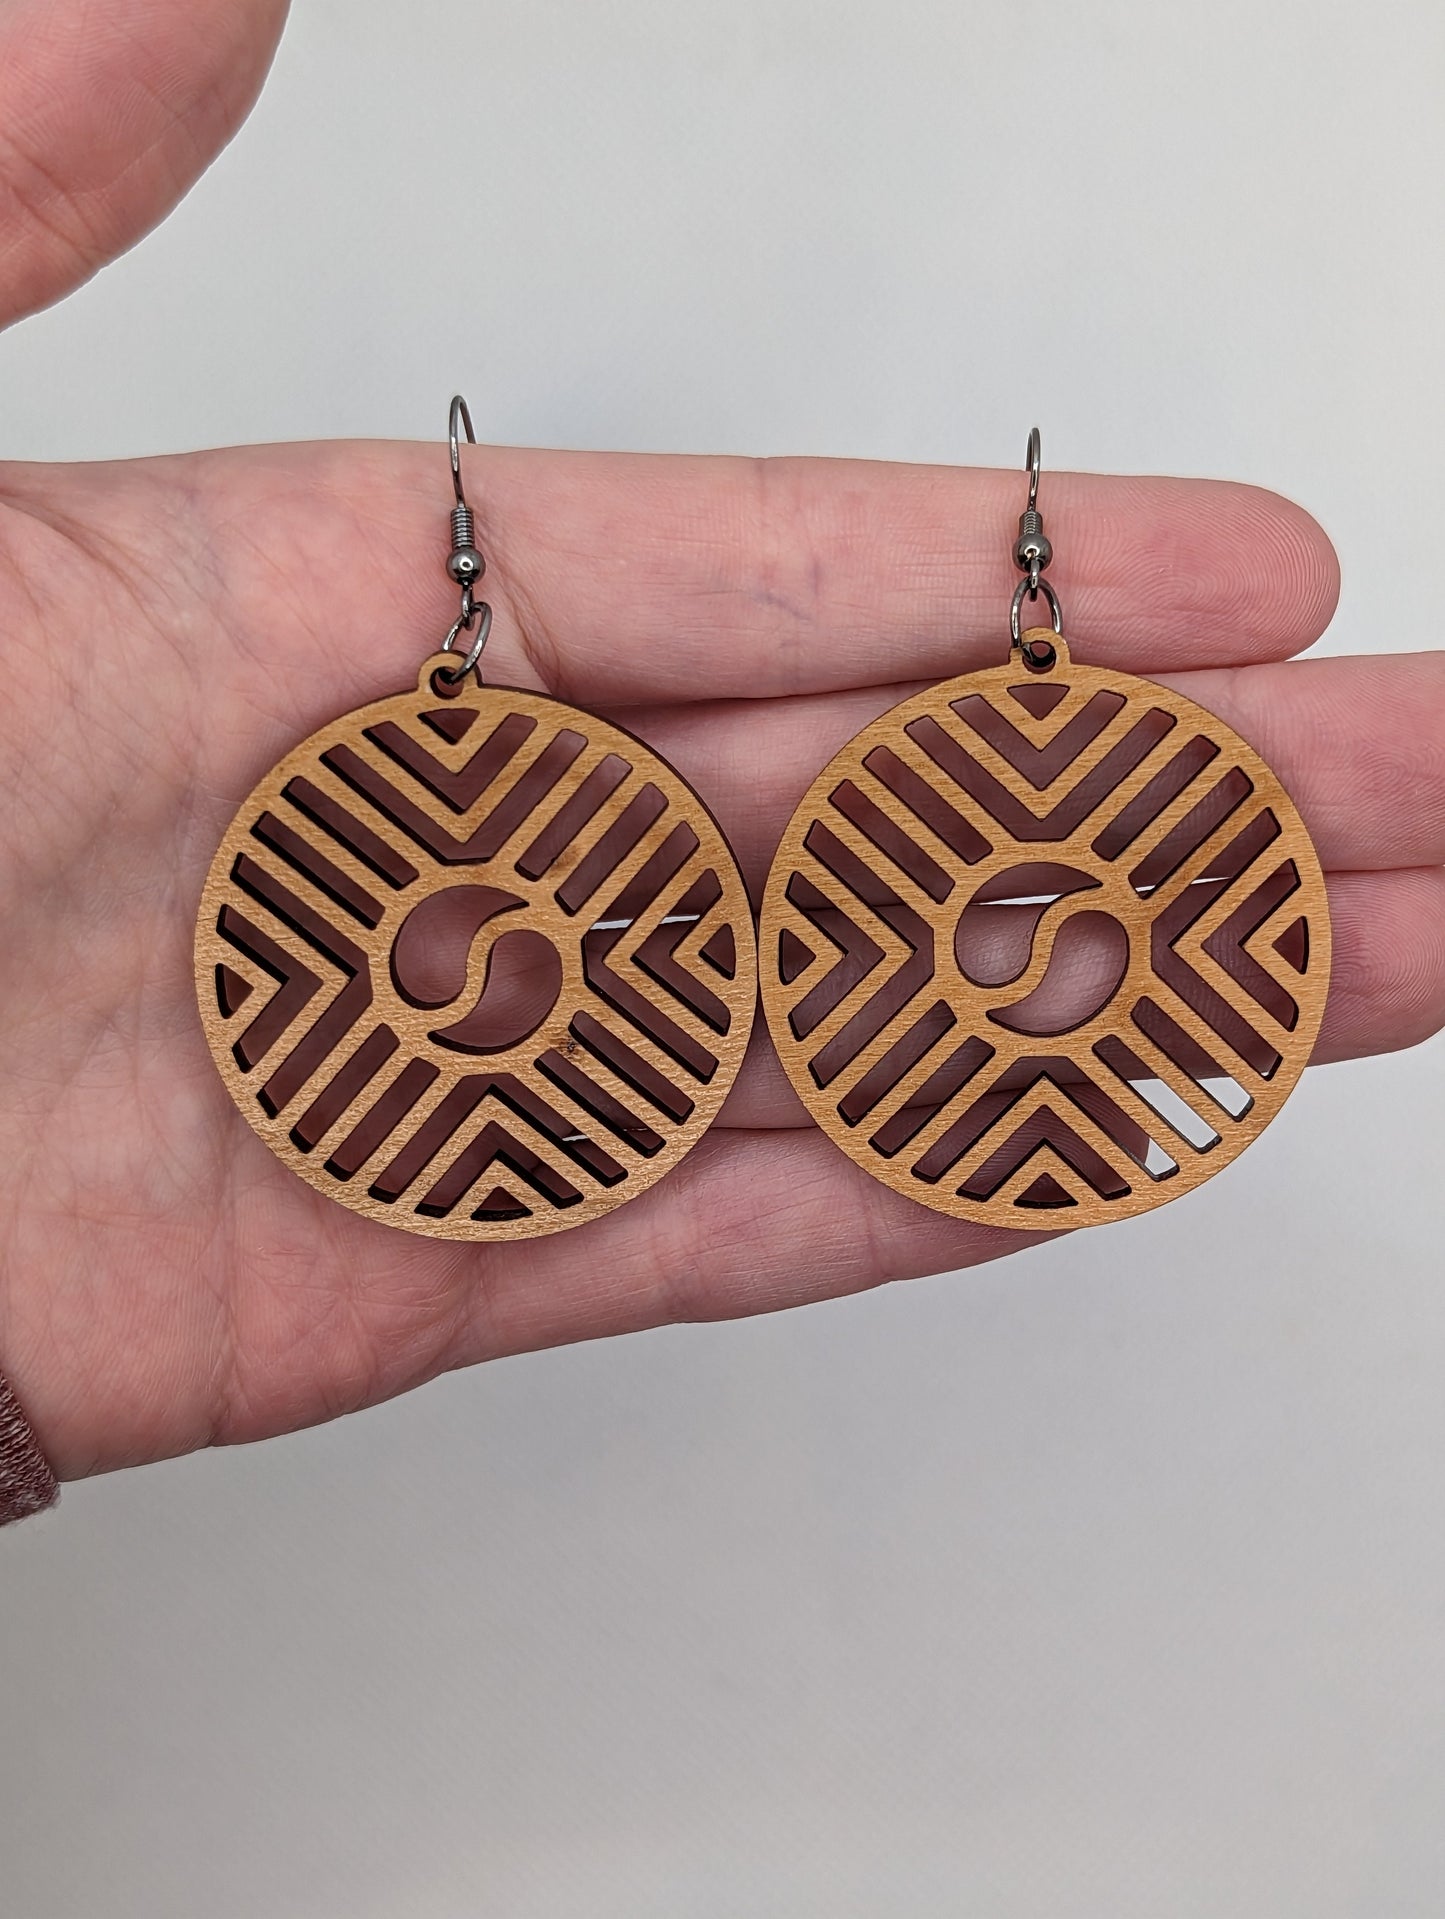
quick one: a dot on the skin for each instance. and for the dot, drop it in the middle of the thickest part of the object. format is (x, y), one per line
(164, 1283)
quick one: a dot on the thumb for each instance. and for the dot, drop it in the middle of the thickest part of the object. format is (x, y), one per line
(109, 111)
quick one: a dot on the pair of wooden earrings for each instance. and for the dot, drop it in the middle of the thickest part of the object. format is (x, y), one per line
(1045, 945)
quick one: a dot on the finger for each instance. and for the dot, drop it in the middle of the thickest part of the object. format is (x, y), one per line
(1359, 744)
(109, 110)
(1387, 988)
(758, 578)
(748, 1223)
(620, 578)
(762, 1095)
(1387, 975)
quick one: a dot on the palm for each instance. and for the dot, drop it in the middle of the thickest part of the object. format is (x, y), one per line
(174, 626)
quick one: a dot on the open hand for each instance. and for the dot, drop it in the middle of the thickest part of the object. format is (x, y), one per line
(171, 627)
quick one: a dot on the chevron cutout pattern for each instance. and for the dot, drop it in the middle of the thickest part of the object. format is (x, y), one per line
(359, 946)
(1088, 843)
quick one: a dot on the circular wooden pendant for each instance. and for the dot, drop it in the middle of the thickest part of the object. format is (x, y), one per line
(1045, 948)
(475, 963)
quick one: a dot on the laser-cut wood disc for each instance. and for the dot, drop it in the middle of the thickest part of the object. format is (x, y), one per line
(475, 963)
(1045, 949)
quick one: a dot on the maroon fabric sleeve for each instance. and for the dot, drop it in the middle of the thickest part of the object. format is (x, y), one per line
(27, 1484)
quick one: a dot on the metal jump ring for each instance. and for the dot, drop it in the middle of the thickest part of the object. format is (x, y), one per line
(1015, 625)
(483, 616)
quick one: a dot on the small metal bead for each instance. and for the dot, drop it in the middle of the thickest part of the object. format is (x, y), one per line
(466, 565)
(1032, 543)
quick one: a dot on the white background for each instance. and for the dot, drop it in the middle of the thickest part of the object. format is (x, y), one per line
(1108, 1583)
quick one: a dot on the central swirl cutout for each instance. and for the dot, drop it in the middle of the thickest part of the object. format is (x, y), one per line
(431, 954)
(995, 940)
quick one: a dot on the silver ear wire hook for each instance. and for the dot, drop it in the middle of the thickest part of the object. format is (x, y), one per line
(461, 415)
(465, 564)
(1032, 549)
(1032, 552)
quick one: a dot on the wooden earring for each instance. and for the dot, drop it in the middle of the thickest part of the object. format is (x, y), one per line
(470, 961)
(1046, 945)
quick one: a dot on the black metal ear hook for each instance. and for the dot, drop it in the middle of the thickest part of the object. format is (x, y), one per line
(465, 563)
(1032, 552)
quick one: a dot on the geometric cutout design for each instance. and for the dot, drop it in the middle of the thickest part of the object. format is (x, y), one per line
(231, 990)
(794, 957)
(452, 722)
(1047, 953)
(1293, 945)
(721, 952)
(1038, 700)
(480, 967)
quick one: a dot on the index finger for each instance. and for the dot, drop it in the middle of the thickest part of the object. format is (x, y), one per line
(624, 578)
